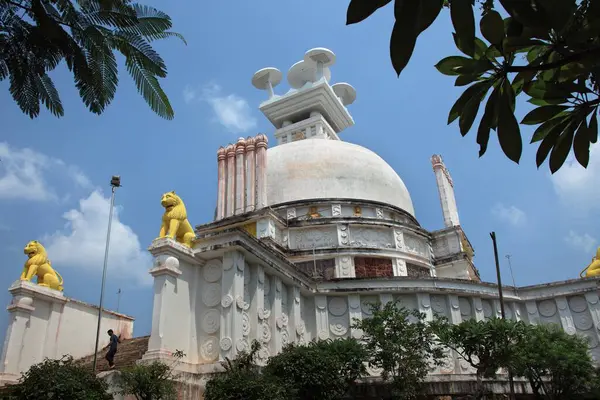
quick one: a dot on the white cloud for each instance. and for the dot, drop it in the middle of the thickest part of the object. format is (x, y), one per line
(82, 242)
(579, 187)
(24, 172)
(510, 214)
(583, 242)
(231, 110)
(189, 94)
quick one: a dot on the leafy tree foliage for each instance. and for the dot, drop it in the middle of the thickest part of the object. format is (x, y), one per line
(402, 344)
(153, 381)
(36, 35)
(546, 49)
(322, 370)
(556, 364)
(58, 379)
(242, 380)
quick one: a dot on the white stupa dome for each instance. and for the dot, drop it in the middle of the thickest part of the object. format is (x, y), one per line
(326, 169)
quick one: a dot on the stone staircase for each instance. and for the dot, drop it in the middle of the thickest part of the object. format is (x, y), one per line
(129, 351)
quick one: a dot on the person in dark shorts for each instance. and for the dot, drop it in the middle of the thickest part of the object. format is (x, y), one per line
(112, 348)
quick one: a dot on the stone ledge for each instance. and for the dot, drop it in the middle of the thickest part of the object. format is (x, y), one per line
(168, 246)
(33, 290)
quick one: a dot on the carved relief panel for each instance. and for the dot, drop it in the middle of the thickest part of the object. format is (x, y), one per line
(338, 316)
(305, 239)
(211, 316)
(416, 245)
(361, 236)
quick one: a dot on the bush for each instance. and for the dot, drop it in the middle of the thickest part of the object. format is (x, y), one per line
(58, 379)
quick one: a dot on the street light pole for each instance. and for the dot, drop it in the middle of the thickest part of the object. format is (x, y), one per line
(115, 182)
(500, 294)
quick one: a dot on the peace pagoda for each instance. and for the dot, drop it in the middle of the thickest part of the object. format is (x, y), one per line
(306, 234)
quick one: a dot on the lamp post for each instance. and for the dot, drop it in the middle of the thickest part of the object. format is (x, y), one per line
(115, 182)
(500, 294)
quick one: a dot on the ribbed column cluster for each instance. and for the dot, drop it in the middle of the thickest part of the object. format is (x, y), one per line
(242, 170)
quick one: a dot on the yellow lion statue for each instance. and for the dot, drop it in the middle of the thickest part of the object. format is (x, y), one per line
(38, 265)
(175, 224)
(593, 269)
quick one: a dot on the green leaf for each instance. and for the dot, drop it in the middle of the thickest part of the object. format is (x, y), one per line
(513, 27)
(540, 102)
(593, 127)
(430, 9)
(546, 91)
(359, 10)
(469, 112)
(480, 47)
(541, 114)
(509, 134)
(471, 91)
(581, 144)
(544, 129)
(49, 95)
(561, 149)
(464, 80)
(404, 34)
(463, 20)
(483, 133)
(520, 79)
(448, 65)
(492, 28)
(548, 142)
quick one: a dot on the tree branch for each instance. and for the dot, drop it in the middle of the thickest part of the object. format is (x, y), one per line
(556, 64)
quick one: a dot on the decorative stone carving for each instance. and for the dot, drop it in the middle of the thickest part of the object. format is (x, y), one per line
(314, 238)
(336, 210)
(371, 237)
(415, 245)
(465, 306)
(226, 301)
(438, 304)
(263, 313)
(291, 213)
(211, 321)
(242, 345)
(447, 362)
(366, 302)
(285, 337)
(399, 239)
(343, 235)
(246, 326)
(323, 335)
(583, 321)
(338, 326)
(547, 308)
(209, 350)
(488, 310)
(211, 294)
(282, 322)
(265, 332)
(345, 267)
(262, 356)
(373, 371)
(338, 306)
(578, 304)
(212, 270)
(226, 343)
(379, 213)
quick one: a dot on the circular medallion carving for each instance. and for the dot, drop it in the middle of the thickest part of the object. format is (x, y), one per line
(300, 328)
(357, 333)
(228, 265)
(561, 302)
(285, 338)
(265, 333)
(338, 326)
(226, 343)
(242, 345)
(465, 307)
(583, 322)
(245, 324)
(338, 306)
(226, 301)
(211, 321)
(354, 302)
(212, 271)
(211, 294)
(241, 304)
(438, 304)
(578, 304)
(591, 339)
(323, 335)
(547, 308)
(240, 265)
(209, 350)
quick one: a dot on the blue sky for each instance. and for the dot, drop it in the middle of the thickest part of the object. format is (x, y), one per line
(54, 174)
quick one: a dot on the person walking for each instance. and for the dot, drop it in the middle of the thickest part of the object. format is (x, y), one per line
(112, 349)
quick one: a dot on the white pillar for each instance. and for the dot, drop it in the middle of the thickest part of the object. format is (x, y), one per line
(221, 167)
(446, 191)
(230, 190)
(322, 317)
(232, 303)
(240, 175)
(250, 175)
(20, 311)
(261, 170)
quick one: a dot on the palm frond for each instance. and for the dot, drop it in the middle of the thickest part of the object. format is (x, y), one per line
(25, 93)
(49, 95)
(149, 87)
(132, 46)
